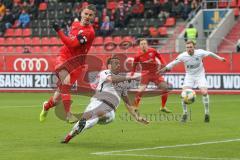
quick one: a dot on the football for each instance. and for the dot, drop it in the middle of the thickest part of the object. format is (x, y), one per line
(188, 96)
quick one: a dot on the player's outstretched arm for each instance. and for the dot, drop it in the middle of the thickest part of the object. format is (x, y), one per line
(169, 66)
(76, 42)
(132, 111)
(217, 57)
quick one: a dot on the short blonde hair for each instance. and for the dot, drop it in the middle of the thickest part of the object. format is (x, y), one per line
(191, 42)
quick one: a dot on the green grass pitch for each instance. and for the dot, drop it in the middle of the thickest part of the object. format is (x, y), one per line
(22, 137)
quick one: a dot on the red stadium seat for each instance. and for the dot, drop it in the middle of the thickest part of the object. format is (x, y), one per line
(36, 41)
(128, 38)
(27, 41)
(92, 50)
(238, 3)
(98, 41)
(55, 41)
(46, 49)
(10, 49)
(222, 4)
(42, 6)
(55, 49)
(9, 32)
(2, 40)
(36, 49)
(19, 41)
(100, 50)
(27, 32)
(117, 39)
(170, 22)
(18, 32)
(162, 31)
(19, 49)
(233, 3)
(45, 41)
(2, 50)
(108, 39)
(236, 12)
(153, 31)
(10, 41)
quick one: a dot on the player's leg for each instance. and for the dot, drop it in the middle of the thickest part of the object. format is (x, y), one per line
(164, 90)
(203, 86)
(95, 110)
(188, 84)
(138, 95)
(49, 104)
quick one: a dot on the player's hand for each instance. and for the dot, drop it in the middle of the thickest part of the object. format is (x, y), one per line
(163, 70)
(142, 120)
(223, 59)
(56, 26)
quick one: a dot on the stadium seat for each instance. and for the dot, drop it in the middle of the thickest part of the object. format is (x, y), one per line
(19, 49)
(27, 41)
(233, 3)
(35, 32)
(2, 50)
(18, 32)
(55, 41)
(2, 41)
(19, 41)
(45, 41)
(42, 15)
(9, 32)
(51, 15)
(162, 31)
(36, 41)
(170, 22)
(98, 41)
(55, 49)
(92, 50)
(222, 4)
(153, 31)
(10, 49)
(46, 50)
(10, 41)
(42, 6)
(44, 32)
(51, 6)
(36, 49)
(238, 3)
(117, 39)
(128, 38)
(43, 23)
(27, 32)
(100, 50)
(236, 12)
(108, 39)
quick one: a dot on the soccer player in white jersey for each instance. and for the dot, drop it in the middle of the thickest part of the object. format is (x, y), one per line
(101, 109)
(195, 74)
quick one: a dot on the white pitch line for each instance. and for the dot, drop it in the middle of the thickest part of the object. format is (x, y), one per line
(164, 147)
(170, 157)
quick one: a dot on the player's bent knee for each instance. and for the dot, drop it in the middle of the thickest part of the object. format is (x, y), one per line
(108, 118)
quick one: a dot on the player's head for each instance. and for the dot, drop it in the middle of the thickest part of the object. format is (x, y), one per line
(143, 44)
(190, 46)
(88, 14)
(113, 63)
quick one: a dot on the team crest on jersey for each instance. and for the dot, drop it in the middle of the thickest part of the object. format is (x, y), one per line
(80, 32)
(151, 54)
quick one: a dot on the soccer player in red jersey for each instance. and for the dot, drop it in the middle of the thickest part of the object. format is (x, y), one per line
(150, 61)
(70, 61)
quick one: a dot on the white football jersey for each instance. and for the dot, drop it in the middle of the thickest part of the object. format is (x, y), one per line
(193, 63)
(110, 91)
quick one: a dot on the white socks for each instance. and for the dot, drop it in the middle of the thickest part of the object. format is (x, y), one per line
(184, 107)
(205, 100)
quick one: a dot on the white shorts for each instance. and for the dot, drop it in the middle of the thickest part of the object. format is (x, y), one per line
(109, 115)
(195, 81)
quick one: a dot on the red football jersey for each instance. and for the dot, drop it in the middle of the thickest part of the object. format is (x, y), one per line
(150, 60)
(72, 46)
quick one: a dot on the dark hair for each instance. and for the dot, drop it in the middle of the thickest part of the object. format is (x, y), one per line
(109, 60)
(91, 7)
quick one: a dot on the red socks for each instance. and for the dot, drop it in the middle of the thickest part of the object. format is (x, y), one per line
(164, 99)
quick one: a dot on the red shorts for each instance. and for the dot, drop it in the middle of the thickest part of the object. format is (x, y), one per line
(157, 79)
(74, 74)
